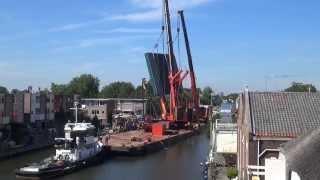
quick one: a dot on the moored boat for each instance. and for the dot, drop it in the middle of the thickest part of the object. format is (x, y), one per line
(78, 149)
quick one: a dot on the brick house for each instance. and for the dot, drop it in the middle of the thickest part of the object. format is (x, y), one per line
(18, 108)
(268, 119)
(2, 98)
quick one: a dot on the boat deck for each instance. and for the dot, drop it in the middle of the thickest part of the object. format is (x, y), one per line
(140, 142)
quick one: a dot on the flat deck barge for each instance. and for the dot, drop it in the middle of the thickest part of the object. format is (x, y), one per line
(139, 142)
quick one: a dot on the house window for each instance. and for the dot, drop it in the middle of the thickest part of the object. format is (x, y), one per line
(102, 112)
(92, 112)
(97, 111)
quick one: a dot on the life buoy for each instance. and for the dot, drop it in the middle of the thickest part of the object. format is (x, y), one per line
(67, 158)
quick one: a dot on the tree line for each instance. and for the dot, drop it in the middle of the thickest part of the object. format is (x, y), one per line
(88, 86)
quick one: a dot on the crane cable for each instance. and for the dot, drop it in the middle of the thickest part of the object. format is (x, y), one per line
(178, 39)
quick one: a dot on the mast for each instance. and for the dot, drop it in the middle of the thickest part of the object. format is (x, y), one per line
(76, 109)
(192, 74)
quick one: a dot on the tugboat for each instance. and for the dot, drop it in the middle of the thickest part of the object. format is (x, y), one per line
(78, 149)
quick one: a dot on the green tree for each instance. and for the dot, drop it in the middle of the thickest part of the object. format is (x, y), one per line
(217, 100)
(59, 89)
(206, 96)
(118, 90)
(86, 85)
(301, 87)
(3, 90)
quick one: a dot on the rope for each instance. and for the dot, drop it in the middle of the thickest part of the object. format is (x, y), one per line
(156, 46)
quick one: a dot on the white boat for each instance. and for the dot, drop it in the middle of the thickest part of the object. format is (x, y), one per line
(79, 148)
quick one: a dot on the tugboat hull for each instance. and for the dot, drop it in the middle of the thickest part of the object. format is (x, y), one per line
(51, 172)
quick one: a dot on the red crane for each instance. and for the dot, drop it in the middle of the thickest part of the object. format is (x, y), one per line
(195, 97)
(175, 77)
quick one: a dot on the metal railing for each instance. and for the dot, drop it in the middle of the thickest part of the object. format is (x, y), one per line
(256, 170)
(225, 126)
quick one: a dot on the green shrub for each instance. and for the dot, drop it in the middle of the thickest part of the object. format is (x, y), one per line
(232, 172)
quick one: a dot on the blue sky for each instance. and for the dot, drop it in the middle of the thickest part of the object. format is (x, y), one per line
(258, 43)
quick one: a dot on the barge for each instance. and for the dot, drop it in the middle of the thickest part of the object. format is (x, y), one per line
(140, 142)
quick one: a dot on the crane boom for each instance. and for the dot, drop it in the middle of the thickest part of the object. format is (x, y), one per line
(169, 33)
(174, 76)
(195, 97)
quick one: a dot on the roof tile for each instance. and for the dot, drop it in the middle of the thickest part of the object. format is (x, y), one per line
(286, 114)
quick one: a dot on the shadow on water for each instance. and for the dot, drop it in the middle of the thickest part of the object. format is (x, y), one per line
(179, 161)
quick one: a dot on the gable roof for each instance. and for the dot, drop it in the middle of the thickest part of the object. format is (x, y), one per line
(303, 155)
(284, 114)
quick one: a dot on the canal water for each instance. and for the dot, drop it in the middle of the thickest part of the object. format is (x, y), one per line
(177, 162)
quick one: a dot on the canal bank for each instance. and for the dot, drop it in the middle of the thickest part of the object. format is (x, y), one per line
(179, 161)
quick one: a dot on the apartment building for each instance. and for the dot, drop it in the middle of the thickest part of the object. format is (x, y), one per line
(99, 108)
(2, 104)
(27, 106)
(62, 103)
(18, 108)
(49, 107)
(38, 107)
(8, 108)
(136, 106)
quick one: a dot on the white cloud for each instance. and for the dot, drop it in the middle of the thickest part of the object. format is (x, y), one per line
(156, 9)
(93, 42)
(149, 10)
(73, 26)
(150, 15)
(147, 3)
(130, 30)
(175, 4)
(68, 27)
(96, 41)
